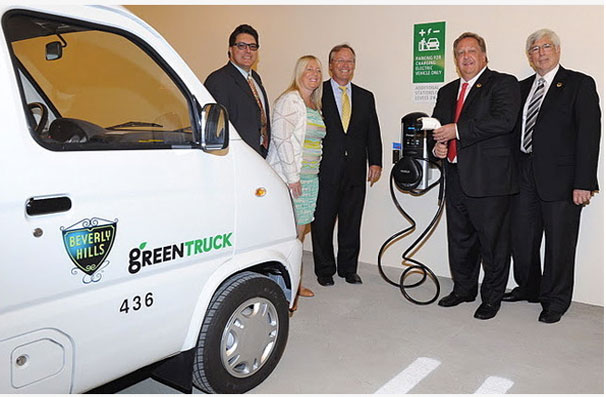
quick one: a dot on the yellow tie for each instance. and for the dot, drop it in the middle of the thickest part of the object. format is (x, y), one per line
(345, 108)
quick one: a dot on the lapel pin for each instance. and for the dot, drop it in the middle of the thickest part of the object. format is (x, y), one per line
(559, 84)
(479, 85)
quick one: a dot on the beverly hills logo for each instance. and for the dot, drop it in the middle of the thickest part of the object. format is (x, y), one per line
(88, 243)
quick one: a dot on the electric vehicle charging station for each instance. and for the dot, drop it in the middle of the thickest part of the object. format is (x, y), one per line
(415, 172)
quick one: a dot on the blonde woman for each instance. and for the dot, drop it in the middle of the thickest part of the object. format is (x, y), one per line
(296, 142)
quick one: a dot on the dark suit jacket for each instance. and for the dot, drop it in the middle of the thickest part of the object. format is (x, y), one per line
(348, 155)
(566, 136)
(485, 151)
(230, 89)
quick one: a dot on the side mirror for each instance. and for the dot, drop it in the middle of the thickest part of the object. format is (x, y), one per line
(214, 127)
(54, 50)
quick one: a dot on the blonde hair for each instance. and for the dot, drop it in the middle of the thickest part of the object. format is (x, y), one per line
(316, 95)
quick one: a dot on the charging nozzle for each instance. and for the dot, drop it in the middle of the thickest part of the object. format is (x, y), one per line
(428, 123)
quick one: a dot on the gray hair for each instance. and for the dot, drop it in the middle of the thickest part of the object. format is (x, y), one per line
(542, 33)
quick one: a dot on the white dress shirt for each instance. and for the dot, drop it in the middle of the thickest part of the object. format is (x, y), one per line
(549, 76)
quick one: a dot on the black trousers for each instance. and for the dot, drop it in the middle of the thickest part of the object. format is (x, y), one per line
(478, 231)
(559, 222)
(344, 201)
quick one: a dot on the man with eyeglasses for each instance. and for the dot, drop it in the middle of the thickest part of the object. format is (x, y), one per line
(557, 147)
(239, 88)
(351, 155)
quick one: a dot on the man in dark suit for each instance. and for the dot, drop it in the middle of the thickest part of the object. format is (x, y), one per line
(239, 88)
(478, 113)
(352, 142)
(557, 147)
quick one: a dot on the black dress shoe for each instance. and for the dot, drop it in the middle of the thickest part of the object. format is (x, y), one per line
(487, 311)
(353, 278)
(325, 281)
(549, 317)
(453, 299)
(516, 295)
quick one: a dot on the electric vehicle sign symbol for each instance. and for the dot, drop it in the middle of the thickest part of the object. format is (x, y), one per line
(88, 243)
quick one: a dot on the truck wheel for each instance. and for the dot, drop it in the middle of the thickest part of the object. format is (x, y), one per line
(243, 335)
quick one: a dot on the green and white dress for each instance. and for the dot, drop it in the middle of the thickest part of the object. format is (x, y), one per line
(305, 205)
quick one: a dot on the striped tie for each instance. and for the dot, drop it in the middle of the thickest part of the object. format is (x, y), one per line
(345, 108)
(263, 131)
(531, 116)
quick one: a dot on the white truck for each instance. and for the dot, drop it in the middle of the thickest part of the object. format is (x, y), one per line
(135, 231)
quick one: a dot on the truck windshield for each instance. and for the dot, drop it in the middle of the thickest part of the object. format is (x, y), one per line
(87, 85)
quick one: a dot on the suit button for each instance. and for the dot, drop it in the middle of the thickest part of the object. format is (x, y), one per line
(346, 153)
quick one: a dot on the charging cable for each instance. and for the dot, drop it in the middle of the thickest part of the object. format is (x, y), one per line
(427, 124)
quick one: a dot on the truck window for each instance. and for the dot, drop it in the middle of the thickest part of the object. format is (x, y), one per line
(85, 88)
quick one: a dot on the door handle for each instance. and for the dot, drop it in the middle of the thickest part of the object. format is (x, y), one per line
(47, 205)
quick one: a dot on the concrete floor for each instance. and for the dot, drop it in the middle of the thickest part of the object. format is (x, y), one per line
(356, 338)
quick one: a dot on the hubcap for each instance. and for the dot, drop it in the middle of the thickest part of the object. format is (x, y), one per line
(249, 337)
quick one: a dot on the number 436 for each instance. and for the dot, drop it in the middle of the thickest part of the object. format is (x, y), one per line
(137, 303)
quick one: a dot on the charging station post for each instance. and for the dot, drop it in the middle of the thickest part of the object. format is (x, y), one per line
(413, 173)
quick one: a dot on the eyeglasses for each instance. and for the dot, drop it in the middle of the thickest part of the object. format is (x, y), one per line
(546, 47)
(242, 46)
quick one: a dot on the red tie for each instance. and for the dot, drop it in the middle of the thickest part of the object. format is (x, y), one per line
(452, 144)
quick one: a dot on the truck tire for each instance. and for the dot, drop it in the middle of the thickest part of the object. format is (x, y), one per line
(243, 335)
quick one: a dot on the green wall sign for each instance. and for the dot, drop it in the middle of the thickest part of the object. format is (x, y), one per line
(429, 44)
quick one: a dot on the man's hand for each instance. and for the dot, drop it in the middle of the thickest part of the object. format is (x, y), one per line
(581, 197)
(445, 133)
(440, 150)
(295, 189)
(374, 173)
